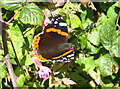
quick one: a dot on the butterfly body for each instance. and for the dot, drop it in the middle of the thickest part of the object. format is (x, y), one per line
(52, 44)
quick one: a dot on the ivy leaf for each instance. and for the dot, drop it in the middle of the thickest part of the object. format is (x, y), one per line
(108, 38)
(94, 38)
(112, 14)
(105, 64)
(87, 62)
(92, 48)
(31, 14)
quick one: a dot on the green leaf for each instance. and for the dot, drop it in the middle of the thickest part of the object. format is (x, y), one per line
(17, 39)
(112, 14)
(12, 4)
(117, 4)
(83, 41)
(94, 38)
(83, 15)
(92, 48)
(28, 61)
(87, 23)
(109, 39)
(13, 61)
(3, 71)
(21, 80)
(87, 61)
(103, 18)
(75, 21)
(105, 64)
(31, 14)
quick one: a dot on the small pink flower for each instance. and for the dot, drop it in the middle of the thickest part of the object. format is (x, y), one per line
(46, 22)
(98, 81)
(44, 72)
(46, 19)
(60, 3)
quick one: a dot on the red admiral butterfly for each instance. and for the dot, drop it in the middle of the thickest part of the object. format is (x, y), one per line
(52, 44)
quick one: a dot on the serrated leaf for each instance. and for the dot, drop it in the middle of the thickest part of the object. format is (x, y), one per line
(31, 14)
(105, 65)
(93, 37)
(21, 80)
(12, 4)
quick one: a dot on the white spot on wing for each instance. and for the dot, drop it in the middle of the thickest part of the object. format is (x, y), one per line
(70, 55)
(62, 24)
(56, 22)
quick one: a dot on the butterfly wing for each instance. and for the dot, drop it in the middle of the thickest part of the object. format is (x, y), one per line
(53, 44)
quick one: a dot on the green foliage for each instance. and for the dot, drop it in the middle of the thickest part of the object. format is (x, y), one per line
(95, 38)
(31, 14)
(20, 81)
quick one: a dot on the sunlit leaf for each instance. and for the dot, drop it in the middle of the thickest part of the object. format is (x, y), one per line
(93, 37)
(108, 38)
(75, 21)
(28, 61)
(12, 4)
(21, 80)
(112, 14)
(105, 65)
(92, 48)
(83, 41)
(31, 14)
(3, 71)
(17, 39)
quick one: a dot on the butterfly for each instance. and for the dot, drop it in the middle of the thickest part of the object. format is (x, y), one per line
(52, 44)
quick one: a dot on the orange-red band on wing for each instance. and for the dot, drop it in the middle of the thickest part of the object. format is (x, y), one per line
(58, 31)
(39, 56)
(36, 48)
(62, 54)
(35, 43)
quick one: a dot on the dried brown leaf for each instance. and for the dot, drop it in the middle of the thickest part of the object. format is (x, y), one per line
(68, 82)
(57, 82)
